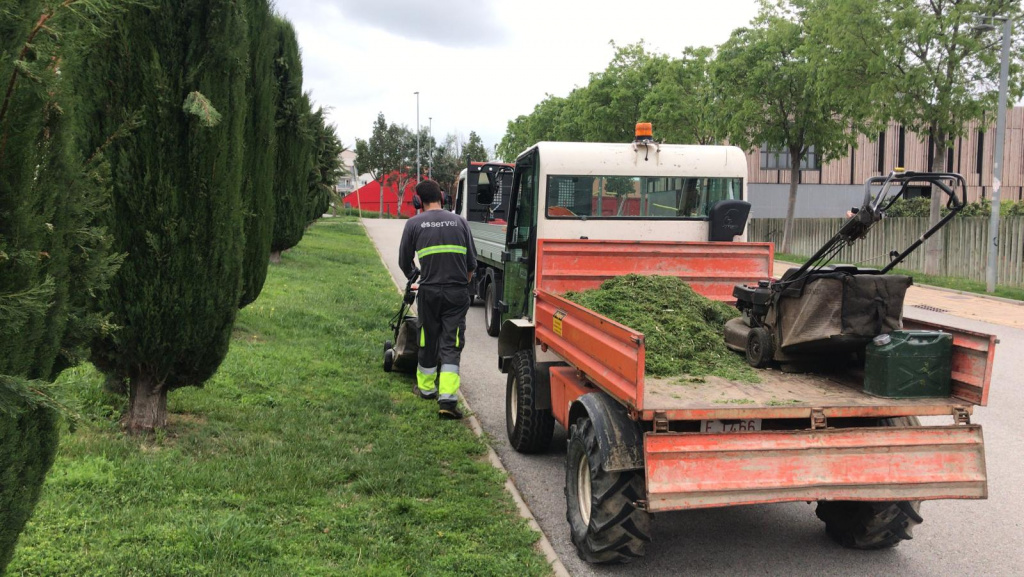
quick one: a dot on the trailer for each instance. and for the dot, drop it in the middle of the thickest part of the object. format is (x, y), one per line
(582, 213)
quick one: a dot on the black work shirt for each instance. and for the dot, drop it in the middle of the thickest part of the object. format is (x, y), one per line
(444, 246)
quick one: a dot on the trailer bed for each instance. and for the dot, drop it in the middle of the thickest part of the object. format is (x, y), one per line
(611, 356)
(489, 241)
(781, 396)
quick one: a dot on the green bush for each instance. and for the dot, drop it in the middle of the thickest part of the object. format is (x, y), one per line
(920, 207)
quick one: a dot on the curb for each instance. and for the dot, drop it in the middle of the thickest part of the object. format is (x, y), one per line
(524, 510)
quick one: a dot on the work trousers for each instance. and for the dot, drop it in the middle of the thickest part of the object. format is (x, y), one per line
(442, 312)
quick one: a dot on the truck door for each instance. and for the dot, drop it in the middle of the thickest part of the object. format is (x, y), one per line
(521, 240)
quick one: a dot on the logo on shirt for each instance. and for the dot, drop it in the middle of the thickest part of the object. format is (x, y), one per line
(439, 224)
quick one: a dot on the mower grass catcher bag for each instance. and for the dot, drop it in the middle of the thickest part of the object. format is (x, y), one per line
(838, 311)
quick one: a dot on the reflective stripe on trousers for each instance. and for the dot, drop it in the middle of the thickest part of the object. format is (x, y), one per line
(449, 383)
(426, 379)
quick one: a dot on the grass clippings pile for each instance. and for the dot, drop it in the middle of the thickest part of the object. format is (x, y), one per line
(682, 329)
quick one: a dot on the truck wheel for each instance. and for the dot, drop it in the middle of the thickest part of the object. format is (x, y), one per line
(604, 521)
(871, 525)
(760, 349)
(529, 428)
(492, 318)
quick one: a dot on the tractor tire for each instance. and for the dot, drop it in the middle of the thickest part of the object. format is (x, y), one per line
(389, 360)
(529, 428)
(605, 524)
(872, 525)
(492, 318)
(760, 348)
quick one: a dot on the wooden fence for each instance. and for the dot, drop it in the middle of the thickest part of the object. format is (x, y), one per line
(965, 241)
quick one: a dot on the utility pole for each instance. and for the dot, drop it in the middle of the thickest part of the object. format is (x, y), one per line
(417, 136)
(991, 270)
(430, 159)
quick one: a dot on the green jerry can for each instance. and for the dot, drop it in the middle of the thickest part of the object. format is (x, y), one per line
(906, 364)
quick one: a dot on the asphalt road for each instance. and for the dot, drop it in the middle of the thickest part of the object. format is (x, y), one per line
(956, 538)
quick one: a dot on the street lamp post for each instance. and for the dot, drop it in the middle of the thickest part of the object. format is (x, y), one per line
(991, 270)
(430, 159)
(417, 137)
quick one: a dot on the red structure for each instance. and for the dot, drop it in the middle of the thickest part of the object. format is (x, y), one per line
(368, 197)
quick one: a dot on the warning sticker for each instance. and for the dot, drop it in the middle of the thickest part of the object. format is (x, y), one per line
(556, 321)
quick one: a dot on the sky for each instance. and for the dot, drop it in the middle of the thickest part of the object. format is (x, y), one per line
(479, 63)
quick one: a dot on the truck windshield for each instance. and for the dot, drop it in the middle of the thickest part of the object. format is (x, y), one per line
(637, 197)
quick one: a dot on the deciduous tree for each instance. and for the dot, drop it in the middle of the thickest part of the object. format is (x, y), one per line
(474, 150)
(683, 103)
(923, 63)
(771, 97)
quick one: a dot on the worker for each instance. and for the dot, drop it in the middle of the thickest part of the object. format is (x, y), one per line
(441, 242)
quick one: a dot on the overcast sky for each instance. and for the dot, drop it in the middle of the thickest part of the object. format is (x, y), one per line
(479, 63)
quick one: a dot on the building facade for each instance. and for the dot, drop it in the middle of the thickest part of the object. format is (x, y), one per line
(829, 189)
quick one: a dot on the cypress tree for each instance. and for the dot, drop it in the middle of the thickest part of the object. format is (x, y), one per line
(177, 202)
(54, 257)
(294, 144)
(260, 150)
(327, 166)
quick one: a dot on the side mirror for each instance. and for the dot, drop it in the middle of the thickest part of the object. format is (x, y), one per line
(727, 219)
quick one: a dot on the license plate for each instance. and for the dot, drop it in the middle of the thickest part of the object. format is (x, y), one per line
(730, 426)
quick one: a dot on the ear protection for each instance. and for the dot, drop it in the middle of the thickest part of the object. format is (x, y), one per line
(417, 202)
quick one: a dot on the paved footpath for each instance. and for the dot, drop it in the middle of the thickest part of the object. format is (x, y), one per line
(957, 538)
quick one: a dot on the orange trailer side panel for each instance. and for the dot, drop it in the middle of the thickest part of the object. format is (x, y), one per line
(972, 361)
(711, 268)
(694, 470)
(566, 387)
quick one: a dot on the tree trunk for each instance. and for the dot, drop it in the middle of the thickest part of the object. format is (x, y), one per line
(147, 405)
(794, 179)
(275, 257)
(933, 246)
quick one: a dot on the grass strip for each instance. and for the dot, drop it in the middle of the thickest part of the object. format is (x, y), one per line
(300, 457)
(955, 283)
(683, 331)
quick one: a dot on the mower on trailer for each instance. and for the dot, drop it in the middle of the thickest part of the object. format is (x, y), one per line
(822, 313)
(401, 352)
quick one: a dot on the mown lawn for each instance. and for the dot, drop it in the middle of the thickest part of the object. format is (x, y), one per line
(955, 283)
(300, 457)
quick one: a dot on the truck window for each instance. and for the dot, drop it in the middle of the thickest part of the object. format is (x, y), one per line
(524, 211)
(637, 197)
(460, 197)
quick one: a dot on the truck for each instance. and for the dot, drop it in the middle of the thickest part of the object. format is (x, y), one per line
(482, 198)
(581, 213)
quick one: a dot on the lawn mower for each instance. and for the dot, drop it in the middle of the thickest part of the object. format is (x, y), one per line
(820, 313)
(401, 353)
